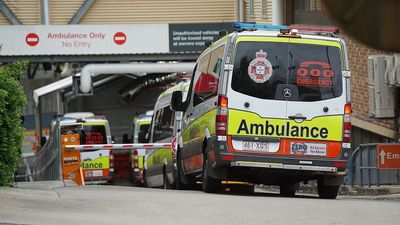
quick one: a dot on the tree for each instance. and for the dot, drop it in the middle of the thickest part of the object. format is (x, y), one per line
(12, 99)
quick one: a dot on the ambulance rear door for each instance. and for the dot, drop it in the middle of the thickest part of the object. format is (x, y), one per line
(315, 95)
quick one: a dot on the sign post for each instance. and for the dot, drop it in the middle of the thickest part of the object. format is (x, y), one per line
(388, 156)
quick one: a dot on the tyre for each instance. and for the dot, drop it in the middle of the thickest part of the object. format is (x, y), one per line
(145, 184)
(210, 184)
(242, 189)
(287, 189)
(166, 184)
(328, 192)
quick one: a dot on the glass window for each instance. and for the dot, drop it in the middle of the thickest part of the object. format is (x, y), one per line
(93, 134)
(251, 8)
(201, 88)
(310, 12)
(264, 9)
(206, 85)
(261, 69)
(163, 124)
(143, 130)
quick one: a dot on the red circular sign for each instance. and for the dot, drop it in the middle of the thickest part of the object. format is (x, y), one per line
(32, 39)
(119, 38)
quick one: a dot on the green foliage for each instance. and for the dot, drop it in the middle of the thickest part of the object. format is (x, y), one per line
(12, 99)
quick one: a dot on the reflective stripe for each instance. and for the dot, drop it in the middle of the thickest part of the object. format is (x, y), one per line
(291, 40)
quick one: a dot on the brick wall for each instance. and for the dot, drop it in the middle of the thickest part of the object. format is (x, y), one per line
(358, 60)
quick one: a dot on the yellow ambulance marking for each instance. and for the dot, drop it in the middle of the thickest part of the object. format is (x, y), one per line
(328, 128)
(96, 164)
(289, 40)
(194, 131)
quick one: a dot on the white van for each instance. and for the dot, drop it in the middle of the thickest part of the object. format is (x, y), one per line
(159, 164)
(267, 106)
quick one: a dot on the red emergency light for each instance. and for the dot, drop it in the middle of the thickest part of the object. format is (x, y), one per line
(334, 30)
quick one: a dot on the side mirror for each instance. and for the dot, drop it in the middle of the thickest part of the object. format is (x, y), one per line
(176, 101)
(147, 137)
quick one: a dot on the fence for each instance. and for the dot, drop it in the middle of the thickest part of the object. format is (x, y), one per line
(363, 168)
(46, 165)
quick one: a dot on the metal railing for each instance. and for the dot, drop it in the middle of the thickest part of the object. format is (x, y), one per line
(364, 159)
(46, 165)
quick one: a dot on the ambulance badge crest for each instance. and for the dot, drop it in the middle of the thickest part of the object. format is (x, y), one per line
(260, 69)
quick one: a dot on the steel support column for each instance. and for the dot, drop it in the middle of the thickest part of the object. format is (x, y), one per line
(81, 12)
(45, 12)
(9, 14)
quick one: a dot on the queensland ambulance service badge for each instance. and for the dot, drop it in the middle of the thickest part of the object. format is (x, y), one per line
(260, 69)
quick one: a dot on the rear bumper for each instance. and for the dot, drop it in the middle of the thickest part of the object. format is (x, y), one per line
(224, 158)
(285, 166)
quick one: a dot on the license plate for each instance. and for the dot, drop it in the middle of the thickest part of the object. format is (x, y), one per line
(94, 173)
(255, 146)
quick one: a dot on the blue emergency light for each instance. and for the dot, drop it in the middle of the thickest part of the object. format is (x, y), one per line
(258, 26)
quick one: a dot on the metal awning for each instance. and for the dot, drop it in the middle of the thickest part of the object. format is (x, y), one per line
(58, 85)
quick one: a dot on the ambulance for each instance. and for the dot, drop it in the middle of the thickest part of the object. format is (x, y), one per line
(140, 130)
(97, 165)
(159, 164)
(267, 105)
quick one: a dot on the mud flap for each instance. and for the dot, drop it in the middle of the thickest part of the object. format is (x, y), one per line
(217, 173)
(332, 180)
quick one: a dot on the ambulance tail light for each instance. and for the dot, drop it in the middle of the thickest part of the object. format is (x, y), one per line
(222, 115)
(111, 159)
(347, 123)
(340, 164)
(222, 101)
(135, 159)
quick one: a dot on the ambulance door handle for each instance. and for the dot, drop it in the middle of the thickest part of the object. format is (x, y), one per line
(297, 117)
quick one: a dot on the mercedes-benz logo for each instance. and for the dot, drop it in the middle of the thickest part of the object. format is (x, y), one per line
(287, 92)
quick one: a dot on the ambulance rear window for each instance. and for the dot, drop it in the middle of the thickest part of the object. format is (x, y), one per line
(264, 69)
(94, 134)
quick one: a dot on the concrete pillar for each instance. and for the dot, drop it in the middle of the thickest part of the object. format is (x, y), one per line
(60, 103)
(240, 11)
(277, 12)
(45, 12)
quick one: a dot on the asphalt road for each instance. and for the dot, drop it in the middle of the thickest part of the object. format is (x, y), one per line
(130, 205)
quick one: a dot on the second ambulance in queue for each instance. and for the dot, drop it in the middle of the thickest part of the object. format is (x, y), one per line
(160, 166)
(97, 165)
(267, 105)
(140, 128)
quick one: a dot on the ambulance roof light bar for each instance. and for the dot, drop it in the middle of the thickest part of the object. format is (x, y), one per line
(258, 26)
(333, 30)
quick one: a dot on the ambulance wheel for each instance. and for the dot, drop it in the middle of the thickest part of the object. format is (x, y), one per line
(210, 184)
(183, 182)
(145, 184)
(288, 189)
(166, 184)
(327, 191)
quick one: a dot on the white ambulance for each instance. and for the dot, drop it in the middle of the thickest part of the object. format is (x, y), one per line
(97, 165)
(268, 105)
(159, 164)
